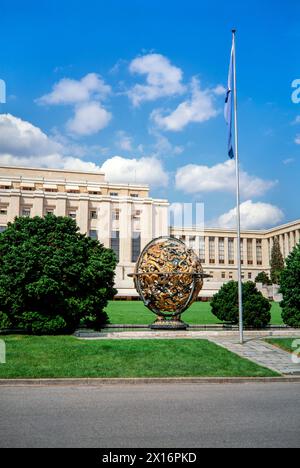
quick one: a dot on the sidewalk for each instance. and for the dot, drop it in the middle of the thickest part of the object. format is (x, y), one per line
(262, 353)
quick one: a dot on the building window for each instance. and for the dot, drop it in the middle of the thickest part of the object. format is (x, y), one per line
(136, 214)
(202, 250)
(212, 252)
(250, 251)
(93, 214)
(230, 275)
(259, 251)
(249, 276)
(231, 251)
(116, 215)
(50, 190)
(3, 211)
(94, 234)
(115, 243)
(72, 214)
(28, 189)
(114, 194)
(221, 250)
(223, 275)
(136, 246)
(134, 195)
(5, 187)
(26, 212)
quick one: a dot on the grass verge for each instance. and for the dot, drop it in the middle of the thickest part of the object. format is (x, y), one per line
(135, 313)
(68, 357)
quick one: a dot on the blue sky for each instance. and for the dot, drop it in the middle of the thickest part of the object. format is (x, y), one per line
(135, 87)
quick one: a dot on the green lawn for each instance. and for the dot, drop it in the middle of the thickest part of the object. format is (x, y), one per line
(135, 313)
(285, 343)
(66, 357)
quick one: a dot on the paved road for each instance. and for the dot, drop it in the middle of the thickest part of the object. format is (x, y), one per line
(153, 416)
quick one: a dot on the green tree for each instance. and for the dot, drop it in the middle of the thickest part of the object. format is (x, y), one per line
(290, 289)
(277, 262)
(52, 277)
(263, 278)
(257, 309)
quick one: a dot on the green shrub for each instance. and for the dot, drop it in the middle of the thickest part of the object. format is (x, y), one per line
(257, 309)
(263, 278)
(37, 324)
(290, 289)
(51, 276)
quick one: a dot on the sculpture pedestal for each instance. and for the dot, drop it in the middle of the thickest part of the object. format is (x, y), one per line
(169, 325)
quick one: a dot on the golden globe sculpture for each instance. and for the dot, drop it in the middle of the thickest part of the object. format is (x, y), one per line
(168, 277)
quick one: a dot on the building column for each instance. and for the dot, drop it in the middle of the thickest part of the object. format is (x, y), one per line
(84, 215)
(254, 252)
(38, 207)
(104, 223)
(265, 254)
(206, 250)
(297, 236)
(226, 248)
(245, 251)
(14, 208)
(146, 225)
(217, 250)
(61, 207)
(286, 243)
(125, 232)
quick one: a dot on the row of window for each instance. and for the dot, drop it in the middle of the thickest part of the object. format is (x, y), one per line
(30, 188)
(25, 212)
(231, 250)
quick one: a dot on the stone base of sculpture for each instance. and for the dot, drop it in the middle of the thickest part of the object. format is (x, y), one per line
(162, 324)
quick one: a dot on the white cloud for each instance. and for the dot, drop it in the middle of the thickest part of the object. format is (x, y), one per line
(23, 144)
(219, 91)
(147, 170)
(297, 139)
(124, 141)
(162, 78)
(253, 216)
(21, 138)
(288, 161)
(219, 178)
(199, 108)
(68, 91)
(89, 119)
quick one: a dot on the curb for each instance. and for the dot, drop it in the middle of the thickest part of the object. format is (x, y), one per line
(143, 381)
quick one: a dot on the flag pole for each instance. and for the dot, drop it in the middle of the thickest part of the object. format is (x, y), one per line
(238, 198)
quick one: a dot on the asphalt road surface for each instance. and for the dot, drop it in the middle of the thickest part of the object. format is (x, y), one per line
(153, 416)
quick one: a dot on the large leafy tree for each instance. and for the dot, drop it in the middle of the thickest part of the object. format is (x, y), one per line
(52, 277)
(277, 262)
(290, 289)
(257, 309)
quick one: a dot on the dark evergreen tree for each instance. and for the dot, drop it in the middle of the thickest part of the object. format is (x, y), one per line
(257, 309)
(277, 262)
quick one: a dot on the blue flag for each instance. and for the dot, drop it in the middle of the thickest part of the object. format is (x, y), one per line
(228, 104)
